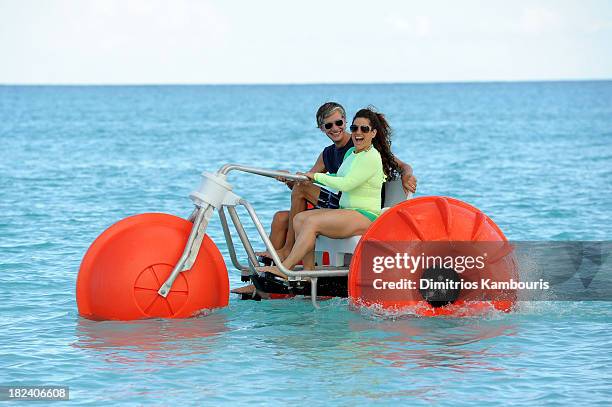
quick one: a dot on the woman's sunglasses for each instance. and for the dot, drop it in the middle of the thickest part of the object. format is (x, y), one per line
(329, 125)
(364, 129)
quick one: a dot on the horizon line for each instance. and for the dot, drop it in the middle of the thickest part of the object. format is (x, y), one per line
(313, 83)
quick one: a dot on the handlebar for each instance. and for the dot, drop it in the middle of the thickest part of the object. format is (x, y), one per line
(261, 171)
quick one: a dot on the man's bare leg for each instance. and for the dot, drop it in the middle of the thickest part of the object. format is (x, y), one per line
(301, 194)
(282, 233)
(278, 232)
(278, 229)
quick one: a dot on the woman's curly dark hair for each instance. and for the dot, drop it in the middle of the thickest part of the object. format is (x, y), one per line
(382, 141)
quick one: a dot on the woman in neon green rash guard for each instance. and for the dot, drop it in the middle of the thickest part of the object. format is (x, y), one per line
(360, 178)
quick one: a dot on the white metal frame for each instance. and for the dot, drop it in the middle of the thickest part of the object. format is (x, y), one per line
(215, 192)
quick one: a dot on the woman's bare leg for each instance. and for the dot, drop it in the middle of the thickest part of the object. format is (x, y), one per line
(334, 223)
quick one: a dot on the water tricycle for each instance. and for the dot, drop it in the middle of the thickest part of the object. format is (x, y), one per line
(156, 265)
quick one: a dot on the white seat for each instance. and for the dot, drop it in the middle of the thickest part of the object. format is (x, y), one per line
(337, 249)
(341, 250)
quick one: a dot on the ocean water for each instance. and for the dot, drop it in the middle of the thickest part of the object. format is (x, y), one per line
(536, 157)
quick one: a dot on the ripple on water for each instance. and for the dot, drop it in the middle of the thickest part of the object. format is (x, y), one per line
(74, 160)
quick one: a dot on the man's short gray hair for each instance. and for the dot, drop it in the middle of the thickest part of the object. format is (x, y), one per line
(327, 109)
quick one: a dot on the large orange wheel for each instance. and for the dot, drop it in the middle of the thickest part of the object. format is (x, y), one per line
(125, 266)
(434, 219)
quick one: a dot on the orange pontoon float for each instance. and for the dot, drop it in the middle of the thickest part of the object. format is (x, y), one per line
(157, 265)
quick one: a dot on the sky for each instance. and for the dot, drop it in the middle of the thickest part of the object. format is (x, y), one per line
(333, 41)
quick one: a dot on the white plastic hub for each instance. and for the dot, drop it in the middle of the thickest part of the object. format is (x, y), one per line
(212, 190)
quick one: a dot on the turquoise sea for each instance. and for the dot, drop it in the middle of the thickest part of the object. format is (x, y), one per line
(535, 156)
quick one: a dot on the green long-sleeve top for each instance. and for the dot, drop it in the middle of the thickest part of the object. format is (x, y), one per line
(360, 178)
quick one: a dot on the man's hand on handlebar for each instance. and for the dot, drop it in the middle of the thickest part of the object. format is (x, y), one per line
(286, 181)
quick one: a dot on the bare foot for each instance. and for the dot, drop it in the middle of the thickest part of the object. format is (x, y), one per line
(247, 289)
(250, 290)
(272, 269)
(282, 254)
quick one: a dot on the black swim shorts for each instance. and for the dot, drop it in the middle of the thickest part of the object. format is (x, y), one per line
(328, 199)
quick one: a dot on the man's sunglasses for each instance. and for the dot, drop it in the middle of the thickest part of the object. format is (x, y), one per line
(329, 125)
(364, 129)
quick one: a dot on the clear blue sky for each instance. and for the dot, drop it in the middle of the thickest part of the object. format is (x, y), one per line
(268, 41)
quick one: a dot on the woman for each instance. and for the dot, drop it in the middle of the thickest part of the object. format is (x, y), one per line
(360, 178)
